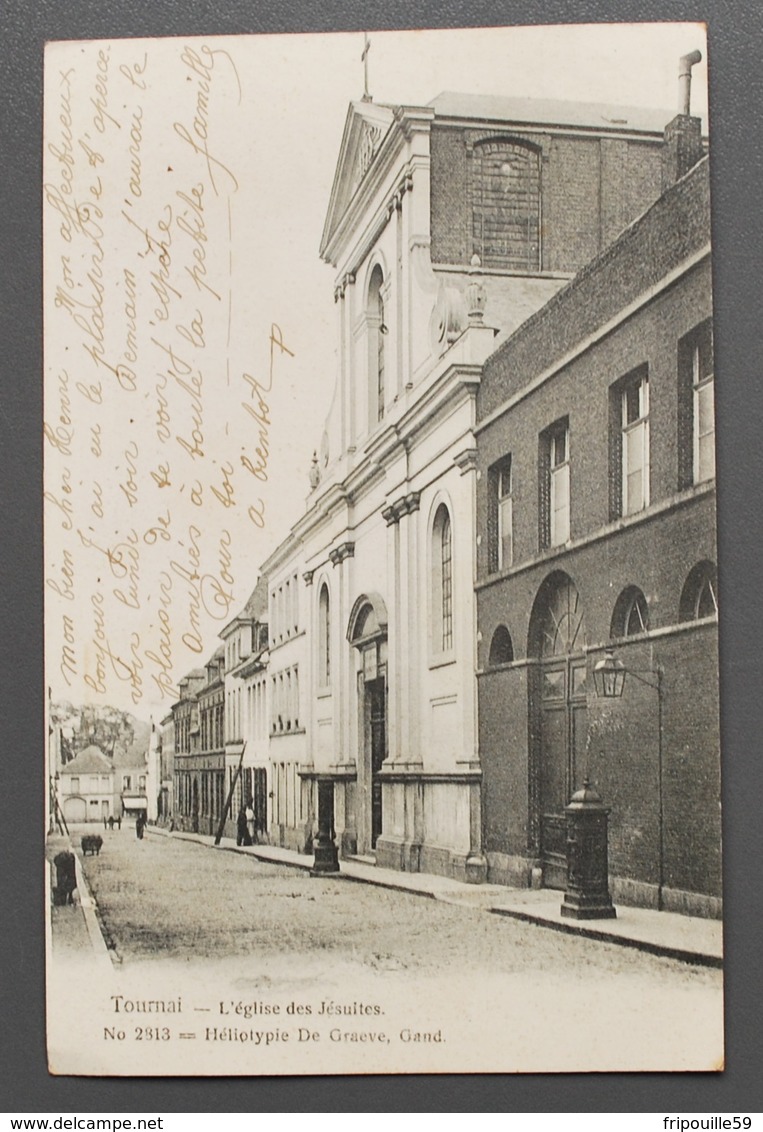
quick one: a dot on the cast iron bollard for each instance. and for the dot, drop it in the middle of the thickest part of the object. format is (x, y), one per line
(66, 878)
(326, 859)
(587, 895)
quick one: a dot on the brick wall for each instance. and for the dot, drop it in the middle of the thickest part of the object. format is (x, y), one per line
(622, 735)
(582, 391)
(669, 232)
(590, 189)
(654, 550)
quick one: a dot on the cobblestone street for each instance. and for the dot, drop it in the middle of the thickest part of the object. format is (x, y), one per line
(503, 994)
(176, 898)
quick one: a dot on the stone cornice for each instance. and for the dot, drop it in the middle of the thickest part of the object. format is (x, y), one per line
(390, 772)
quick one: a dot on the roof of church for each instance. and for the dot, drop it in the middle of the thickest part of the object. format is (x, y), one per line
(90, 761)
(549, 112)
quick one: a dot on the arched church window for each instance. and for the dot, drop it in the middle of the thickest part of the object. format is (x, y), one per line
(442, 569)
(324, 637)
(699, 597)
(377, 331)
(506, 204)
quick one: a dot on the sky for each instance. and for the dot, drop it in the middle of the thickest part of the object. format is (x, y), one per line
(280, 126)
(314, 77)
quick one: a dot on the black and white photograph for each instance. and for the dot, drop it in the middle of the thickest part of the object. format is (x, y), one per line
(380, 554)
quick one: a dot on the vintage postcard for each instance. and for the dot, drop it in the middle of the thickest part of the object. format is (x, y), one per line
(381, 603)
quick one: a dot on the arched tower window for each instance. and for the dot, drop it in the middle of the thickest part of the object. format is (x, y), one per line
(442, 579)
(699, 597)
(377, 331)
(324, 637)
(501, 647)
(630, 615)
(506, 204)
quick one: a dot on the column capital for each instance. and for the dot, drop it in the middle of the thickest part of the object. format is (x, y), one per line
(466, 461)
(339, 553)
(405, 505)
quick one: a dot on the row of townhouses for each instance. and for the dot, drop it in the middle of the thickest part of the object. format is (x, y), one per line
(515, 484)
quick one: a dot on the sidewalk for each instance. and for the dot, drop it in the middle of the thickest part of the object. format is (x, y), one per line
(689, 939)
(74, 928)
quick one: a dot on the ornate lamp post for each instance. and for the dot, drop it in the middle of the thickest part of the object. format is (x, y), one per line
(326, 857)
(609, 680)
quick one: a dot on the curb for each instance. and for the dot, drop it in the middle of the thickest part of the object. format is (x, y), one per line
(101, 952)
(697, 958)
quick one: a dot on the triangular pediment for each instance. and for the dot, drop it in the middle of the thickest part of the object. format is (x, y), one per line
(365, 128)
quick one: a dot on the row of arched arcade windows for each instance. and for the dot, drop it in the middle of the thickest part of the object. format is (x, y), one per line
(559, 626)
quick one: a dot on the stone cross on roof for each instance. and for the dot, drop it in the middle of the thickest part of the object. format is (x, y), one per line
(364, 61)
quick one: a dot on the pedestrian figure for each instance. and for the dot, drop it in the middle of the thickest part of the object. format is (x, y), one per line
(104, 821)
(250, 822)
(66, 878)
(140, 824)
(119, 821)
(111, 823)
(242, 829)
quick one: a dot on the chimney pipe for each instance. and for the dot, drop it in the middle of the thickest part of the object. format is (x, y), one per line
(685, 64)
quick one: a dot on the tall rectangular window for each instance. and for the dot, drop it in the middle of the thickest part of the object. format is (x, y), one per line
(554, 484)
(696, 406)
(634, 404)
(703, 388)
(500, 516)
(505, 531)
(559, 486)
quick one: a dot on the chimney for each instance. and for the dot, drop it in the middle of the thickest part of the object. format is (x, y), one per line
(682, 147)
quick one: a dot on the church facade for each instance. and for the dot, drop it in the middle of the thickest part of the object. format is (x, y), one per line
(448, 226)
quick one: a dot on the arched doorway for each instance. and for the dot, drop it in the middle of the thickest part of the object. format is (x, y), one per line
(75, 809)
(558, 713)
(367, 633)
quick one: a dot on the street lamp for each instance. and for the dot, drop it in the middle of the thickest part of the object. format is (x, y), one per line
(609, 676)
(609, 681)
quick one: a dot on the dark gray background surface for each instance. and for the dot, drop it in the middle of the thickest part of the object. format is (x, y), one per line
(736, 77)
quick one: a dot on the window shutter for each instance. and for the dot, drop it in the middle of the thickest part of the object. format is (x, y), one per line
(494, 479)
